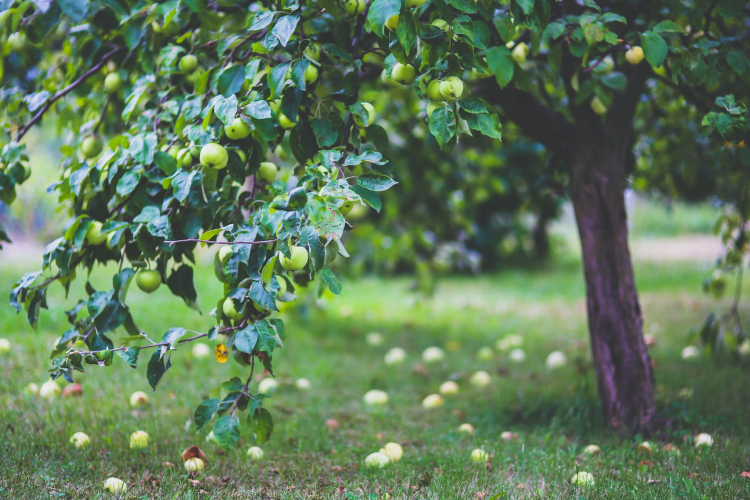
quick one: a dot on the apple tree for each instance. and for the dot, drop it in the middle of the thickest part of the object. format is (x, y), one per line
(174, 112)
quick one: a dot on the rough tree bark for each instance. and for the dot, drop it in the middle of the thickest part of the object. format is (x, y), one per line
(598, 153)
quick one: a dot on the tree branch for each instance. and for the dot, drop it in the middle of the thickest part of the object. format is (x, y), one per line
(196, 240)
(66, 91)
(539, 122)
(244, 389)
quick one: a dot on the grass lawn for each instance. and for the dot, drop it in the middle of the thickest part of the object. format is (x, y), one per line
(555, 414)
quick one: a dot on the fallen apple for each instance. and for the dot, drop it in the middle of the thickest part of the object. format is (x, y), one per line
(449, 388)
(583, 479)
(592, 449)
(138, 440)
(138, 398)
(50, 390)
(433, 401)
(376, 460)
(433, 355)
(645, 447)
(374, 338)
(255, 453)
(480, 379)
(690, 353)
(268, 385)
(556, 359)
(479, 455)
(73, 390)
(4, 346)
(376, 397)
(393, 451)
(703, 439)
(517, 355)
(303, 384)
(80, 439)
(485, 353)
(201, 350)
(194, 464)
(466, 429)
(116, 486)
(395, 356)
(31, 388)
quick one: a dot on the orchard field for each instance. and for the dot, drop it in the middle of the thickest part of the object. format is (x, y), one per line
(553, 415)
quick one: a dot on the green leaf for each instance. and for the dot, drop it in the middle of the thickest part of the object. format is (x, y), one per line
(616, 80)
(367, 157)
(130, 356)
(180, 283)
(325, 133)
(245, 339)
(611, 17)
(500, 61)
(128, 183)
(526, 5)
(284, 28)
(407, 30)
(226, 109)
(740, 64)
(654, 48)
(76, 10)
(205, 412)
(330, 279)
(156, 369)
(467, 6)
(230, 81)
(375, 182)
(227, 431)
(372, 198)
(263, 424)
(328, 222)
(668, 26)
(443, 125)
(485, 123)
(380, 12)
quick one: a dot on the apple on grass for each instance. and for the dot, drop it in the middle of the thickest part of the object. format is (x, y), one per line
(393, 451)
(433, 401)
(148, 280)
(50, 389)
(255, 453)
(480, 379)
(376, 397)
(31, 388)
(138, 440)
(303, 384)
(592, 449)
(583, 479)
(485, 353)
(376, 461)
(194, 464)
(433, 355)
(268, 385)
(479, 455)
(4, 346)
(374, 338)
(703, 439)
(395, 356)
(449, 388)
(80, 439)
(466, 429)
(556, 359)
(138, 398)
(298, 260)
(116, 486)
(201, 350)
(214, 156)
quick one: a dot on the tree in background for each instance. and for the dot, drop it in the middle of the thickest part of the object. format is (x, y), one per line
(173, 111)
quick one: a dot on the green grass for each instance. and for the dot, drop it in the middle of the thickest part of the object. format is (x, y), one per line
(651, 217)
(554, 414)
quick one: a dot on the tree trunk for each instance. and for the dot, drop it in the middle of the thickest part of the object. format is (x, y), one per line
(623, 367)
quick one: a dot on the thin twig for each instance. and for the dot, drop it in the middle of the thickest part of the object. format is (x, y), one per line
(196, 240)
(66, 91)
(244, 389)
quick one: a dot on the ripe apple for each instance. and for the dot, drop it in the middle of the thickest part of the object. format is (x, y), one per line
(583, 479)
(508, 436)
(31, 388)
(556, 359)
(194, 464)
(173, 151)
(376, 461)
(188, 63)
(237, 130)
(376, 397)
(634, 55)
(703, 439)
(433, 91)
(313, 52)
(73, 390)
(214, 156)
(138, 440)
(184, 158)
(50, 390)
(91, 147)
(520, 52)
(112, 82)
(395, 356)
(393, 451)
(255, 453)
(170, 29)
(517, 355)
(414, 4)
(388, 80)
(374, 338)
(148, 280)
(392, 22)
(311, 74)
(354, 7)
(690, 353)
(452, 88)
(201, 350)
(282, 286)
(303, 384)
(80, 439)
(346, 207)
(266, 172)
(405, 74)
(592, 449)
(370, 115)
(298, 260)
(479, 455)
(670, 448)
(17, 42)
(480, 379)
(94, 234)
(645, 447)
(449, 388)
(433, 355)
(466, 429)
(433, 401)
(285, 122)
(268, 385)
(230, 311)
(116, 486)
(4, 346)
(598, 106)
(138, 398)
(509, 341)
